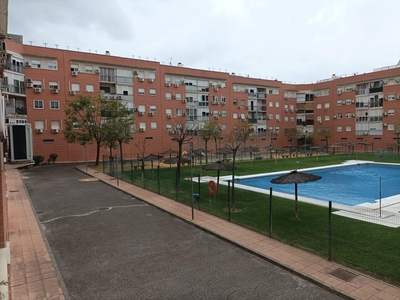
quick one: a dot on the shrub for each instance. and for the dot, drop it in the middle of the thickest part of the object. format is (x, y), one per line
(38, 159)
(53, 157)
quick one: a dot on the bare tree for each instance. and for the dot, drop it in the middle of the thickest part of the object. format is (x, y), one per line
(325, 132)
(142, 146)
(233, 140)
(271, 135)
(181, 135)
(292, 134)
(207, 131)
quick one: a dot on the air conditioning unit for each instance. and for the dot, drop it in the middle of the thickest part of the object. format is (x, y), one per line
(210, 84)
(176, 85)
(286, 110)
(119, 97)
(334, 116)
(223, 103)
(216, 89)
(353, 115)
(384, 124)
(74, 73)
(151, 80)
(54, 91)
(141, 113)
(97, 71)
(320, 122)
(141, 79)
(27, 64)
(111, 97)
(182, 81)
(339, 93)
(239, 107)
(365, 133)
(385, 113)
(167, 84)
(29, 84)
(72, 92)
(29, 80)
(38, 90)
(219, 85)
(54, 130)
(135, 73)
(269, 118)
(183, 114)
(325, 108)
(397, 80)
(184, 100)
(39, 130)
(216, 117)
(151, 113)
(352, 101)
(142, 129)
(169, 116)
(384, 82)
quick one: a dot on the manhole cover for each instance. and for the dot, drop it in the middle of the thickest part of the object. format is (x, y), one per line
(88, 179)
(343, 274)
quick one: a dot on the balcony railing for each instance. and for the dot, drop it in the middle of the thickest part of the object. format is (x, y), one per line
(376, 90)
(262, 95)
(15, 89)
(15, 68)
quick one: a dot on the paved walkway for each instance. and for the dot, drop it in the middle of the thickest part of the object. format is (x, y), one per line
(34, 276)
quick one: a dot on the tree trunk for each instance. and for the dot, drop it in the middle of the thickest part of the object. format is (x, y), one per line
(178, 167)
(233, 179)
(205, 145)
(98, 144)
(296, 206)
(120, 154)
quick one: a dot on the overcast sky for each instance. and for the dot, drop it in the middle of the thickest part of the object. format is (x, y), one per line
(291, 40)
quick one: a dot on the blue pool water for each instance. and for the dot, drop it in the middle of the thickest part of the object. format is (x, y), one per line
(349, 185)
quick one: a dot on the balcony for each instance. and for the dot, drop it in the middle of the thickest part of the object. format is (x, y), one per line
(376, 90)
(252, 95)
(261, 96)
(16, 68)
(13, 89)
(121, 97)
(253, 121)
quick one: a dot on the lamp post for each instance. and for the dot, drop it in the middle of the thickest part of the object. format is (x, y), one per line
(380, 194)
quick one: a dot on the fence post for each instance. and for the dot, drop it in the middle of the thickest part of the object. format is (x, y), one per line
(176, 184)
(158, 180)
(198, 184)
(270, 212)
(131, 171)
(229, 200)
(330, 232)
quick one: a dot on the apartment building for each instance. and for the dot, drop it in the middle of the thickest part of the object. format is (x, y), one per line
(361, 108)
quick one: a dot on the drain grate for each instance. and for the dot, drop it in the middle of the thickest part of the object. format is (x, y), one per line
(343, 274)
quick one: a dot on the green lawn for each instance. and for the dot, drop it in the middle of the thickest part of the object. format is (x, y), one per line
(365, 246)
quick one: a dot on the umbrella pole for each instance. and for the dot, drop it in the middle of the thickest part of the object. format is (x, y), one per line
(218, 182)
(296, 214)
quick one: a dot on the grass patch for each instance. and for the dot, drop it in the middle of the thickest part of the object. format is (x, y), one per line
(364, 246)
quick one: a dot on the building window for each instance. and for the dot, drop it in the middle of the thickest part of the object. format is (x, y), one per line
(276, 104)
(54, 104)
(319, 106)
(88, 69)
(339, 115)
(390, 97)
(390, 126)
(153, 125)
(89, 88)
(141, 91)
(242, 102)
(178, 112)
(168, 96)
(235, 102)
(348, 115)
(153, 109)
(53, 85)
(39, 125)
(349, 101)
(348, 128)
(37, 84)
(327, 118)
(339, 129)
(178, 96)
(77, 125)
(74, 67)
(142, 125)
(390, 112)
(291, 119)
(223, 127)
(286, 119)
(319, 119)
(52, 65)
(271, 104)
(278, 117)
(339, 103)
(75, 87)
(326, 105)
(235, 115)
(152, 92)
(223, 113)
(223, 99)
(36, 64)
(38, 104)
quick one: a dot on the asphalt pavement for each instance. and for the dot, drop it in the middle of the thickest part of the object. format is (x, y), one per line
(110, 245)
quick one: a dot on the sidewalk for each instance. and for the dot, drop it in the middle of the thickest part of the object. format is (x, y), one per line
(34, 276)
(337, 278)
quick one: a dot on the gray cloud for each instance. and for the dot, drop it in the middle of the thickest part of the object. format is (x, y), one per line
(290, 40)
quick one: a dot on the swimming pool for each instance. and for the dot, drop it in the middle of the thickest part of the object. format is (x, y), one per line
(348, 184)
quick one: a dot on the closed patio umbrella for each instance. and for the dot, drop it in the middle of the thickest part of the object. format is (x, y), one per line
(218, 166)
